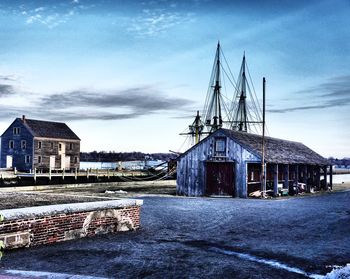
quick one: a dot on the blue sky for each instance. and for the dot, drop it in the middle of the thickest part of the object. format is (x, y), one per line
(126, 75)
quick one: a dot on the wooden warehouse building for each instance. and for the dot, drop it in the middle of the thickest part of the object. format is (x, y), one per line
(29, 144)
(228, 162)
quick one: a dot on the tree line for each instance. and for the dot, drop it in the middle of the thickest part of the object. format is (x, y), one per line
(111, 156)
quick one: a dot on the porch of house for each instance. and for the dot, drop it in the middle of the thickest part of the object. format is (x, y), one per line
(289, 178)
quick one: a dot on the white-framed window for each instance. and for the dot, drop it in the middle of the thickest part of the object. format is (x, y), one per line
(60, 147)
(23, 144)
(16, 130)
(39, 159)
(11, 144)
(39, 144)
(220, 145)
(27, 159)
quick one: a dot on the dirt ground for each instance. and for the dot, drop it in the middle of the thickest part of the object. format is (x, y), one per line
(205, 238)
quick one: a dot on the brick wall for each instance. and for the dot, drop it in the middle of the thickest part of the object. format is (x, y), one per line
(68, 224)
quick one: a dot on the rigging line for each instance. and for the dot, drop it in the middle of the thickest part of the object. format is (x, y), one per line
(254, 89)
(233, 77)
(232, 82)
(255, 109)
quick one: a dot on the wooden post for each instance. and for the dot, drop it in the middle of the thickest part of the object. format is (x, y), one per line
(263, 166)
(34, 175)
(318, 178)
(108, 174)
(275, 180)
(63, 173)
(87, 174)
(76, 174)
(325, 178)
(15, 171)
(331, 176)
(286, 177)
(49, 173)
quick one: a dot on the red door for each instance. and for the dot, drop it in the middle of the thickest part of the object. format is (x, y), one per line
(220, 178)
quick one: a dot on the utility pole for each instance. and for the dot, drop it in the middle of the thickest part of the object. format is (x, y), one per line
(263, 166)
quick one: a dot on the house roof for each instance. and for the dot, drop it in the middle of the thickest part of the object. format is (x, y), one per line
(277, 150)
(49, 129)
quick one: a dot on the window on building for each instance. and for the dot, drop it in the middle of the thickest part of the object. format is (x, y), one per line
(39, 159)
(23, 144)
(39, 144)
(220, 145)
(27, 159)
(16, 130)
(70, 146)
(59, 147)
(11, 144)
(252, 176)
(51, 145)
(75, 160)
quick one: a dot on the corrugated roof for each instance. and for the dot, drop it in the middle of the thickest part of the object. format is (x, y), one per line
(277, 150)
(49, 129)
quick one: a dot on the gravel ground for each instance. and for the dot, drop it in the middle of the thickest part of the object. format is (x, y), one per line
(204, 238)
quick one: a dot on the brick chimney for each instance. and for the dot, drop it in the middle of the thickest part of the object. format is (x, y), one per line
(23, 118)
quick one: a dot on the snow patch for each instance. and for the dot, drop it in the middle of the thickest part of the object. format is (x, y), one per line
(49, 275)
(339, 273)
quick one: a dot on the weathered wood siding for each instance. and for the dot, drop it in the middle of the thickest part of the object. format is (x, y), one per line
(50, 147)
(191, 180)
(18, 154)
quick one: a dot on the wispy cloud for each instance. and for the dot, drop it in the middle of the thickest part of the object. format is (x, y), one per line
(156, 21)
(8, 78)
(51, 16)
(333, 93)
(113, 105)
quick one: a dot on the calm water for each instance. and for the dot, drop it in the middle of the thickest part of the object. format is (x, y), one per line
(128, 165)
(339, 178)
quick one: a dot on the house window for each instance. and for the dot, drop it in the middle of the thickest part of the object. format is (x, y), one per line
(27, 159)
(51, 145)
(39, 159)
(220, 145)
(59, 147)
(39, 144)
(75, 160)
(252, 176)
(11, 144)
(70, 146)
(16, 130)
(23, 144)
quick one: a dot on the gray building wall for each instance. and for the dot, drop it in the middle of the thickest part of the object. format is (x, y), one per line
(191, 180)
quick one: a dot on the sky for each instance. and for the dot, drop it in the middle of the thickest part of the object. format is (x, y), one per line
(130, 75)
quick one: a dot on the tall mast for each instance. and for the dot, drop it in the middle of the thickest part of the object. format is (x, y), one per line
(195, 129)
(241, 115)
(213, 115)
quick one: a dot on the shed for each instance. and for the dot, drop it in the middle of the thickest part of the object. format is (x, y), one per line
(228, 162)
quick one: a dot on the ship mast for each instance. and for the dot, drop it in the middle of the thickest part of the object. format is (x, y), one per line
(241, 119)
(212, 109)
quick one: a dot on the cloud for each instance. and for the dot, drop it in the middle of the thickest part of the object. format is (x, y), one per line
(8, 78)
(156, 21)
(6, 90)
(333, 93)
(95, 105)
